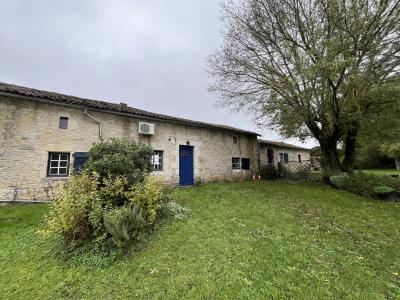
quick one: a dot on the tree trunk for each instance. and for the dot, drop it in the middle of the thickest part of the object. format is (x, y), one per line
(397, 162)
(350, 151)
(330, 163)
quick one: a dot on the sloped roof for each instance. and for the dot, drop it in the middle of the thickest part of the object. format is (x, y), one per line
(57, 98)
(281, 145)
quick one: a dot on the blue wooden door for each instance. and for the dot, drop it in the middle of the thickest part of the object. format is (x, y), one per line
(186, 176)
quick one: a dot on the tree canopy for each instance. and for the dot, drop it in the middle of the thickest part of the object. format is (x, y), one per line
(306, 66)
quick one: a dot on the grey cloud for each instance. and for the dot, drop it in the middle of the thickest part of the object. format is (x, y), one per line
(149, 54)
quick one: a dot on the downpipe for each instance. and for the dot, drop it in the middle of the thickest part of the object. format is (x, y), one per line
(98, 123)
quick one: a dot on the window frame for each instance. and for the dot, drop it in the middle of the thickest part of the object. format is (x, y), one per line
(59, 160)
(282, 157)
(62, 125)
(160, 159)
(299, 158)
(236, 165)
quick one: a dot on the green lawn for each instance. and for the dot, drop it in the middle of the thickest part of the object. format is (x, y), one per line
(382, 172)
(249, 240)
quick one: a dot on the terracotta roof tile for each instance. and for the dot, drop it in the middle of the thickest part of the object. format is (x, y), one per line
(58, 98)
(281, 145)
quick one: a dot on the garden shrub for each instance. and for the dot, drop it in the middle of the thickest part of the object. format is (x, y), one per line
(90, 211)
(120, 157)
(269, 172)
(77, 213)
(125, 224)
(340, 181)
(148, 195)
(113, 199)
(384, 192)
(368, 185)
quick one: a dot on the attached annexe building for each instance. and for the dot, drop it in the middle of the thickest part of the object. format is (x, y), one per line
(45, 135)
(272, 153)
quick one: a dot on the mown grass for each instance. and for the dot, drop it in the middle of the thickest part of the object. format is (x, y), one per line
(249, 240)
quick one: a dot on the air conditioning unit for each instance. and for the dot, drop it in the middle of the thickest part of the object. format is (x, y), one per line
(146, 128)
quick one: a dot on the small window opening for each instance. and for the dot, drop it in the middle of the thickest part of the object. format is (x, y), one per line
(63, 124)
(157, 161)
(235, 163)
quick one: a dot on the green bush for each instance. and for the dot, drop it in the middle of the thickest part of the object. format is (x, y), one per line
(125, 224)
(90, 211)
(340, 181)
(269, 172)
(113, 199)
(384, 192)
(120, 157)
(368, 185)
(148, 195)
(77, 213)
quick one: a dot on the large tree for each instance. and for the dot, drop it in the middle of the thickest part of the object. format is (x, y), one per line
(380, 125)
(305, 66)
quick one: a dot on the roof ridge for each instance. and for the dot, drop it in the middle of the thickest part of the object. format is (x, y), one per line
(281, 144)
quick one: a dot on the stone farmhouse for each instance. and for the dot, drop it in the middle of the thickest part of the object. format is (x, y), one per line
(272, 153)
(45, 136)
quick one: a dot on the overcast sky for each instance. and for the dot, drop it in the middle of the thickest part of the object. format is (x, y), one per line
(149, 54)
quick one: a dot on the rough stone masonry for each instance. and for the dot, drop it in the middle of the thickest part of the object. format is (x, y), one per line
(30, 133)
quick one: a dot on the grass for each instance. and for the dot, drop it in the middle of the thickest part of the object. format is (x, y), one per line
(382, 172)
(249, 240)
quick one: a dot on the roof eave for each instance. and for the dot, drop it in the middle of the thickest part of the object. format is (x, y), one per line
(54, 102)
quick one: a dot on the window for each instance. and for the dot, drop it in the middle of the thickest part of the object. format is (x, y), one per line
(283, 157)
(157, 161)
(270, 156)
(79, 160)
(63, 124)
(235, 163)
(235, 139)
(299, 157)
(245, 163)
(58, 164)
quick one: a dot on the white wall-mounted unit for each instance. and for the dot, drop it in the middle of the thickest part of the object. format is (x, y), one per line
(146, 128)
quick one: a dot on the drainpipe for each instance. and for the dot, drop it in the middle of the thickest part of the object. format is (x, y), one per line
(98, 123)
(259, 156)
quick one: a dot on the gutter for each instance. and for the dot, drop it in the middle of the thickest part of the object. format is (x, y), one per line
(98, 123)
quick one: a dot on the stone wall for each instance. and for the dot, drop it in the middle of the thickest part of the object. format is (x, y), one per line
(30, 130)
(292, 153)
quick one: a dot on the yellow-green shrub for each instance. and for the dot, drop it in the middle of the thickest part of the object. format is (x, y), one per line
(77, 213)
(90, 209)
(149, 195)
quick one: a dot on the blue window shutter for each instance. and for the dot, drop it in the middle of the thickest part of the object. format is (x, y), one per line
(245, 164)
(286, 157)
(79, 160)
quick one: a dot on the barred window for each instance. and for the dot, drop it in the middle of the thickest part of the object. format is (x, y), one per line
(58, 164)
(157, 161)
(235, 163)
